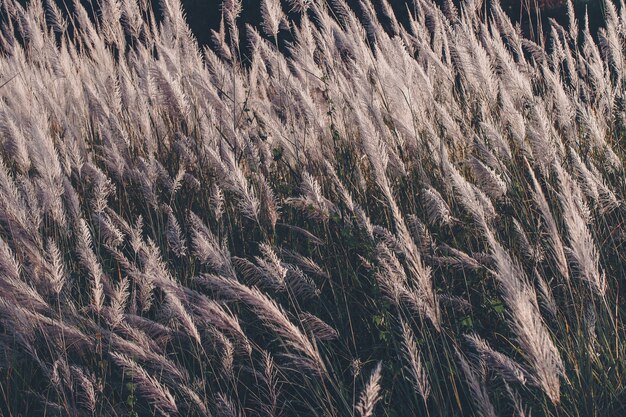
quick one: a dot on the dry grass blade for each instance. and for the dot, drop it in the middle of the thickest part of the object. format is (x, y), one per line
(370, 394)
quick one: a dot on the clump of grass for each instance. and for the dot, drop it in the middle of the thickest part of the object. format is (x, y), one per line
(364, 215)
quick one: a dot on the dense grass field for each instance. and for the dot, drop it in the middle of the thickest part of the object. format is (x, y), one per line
(356, 217)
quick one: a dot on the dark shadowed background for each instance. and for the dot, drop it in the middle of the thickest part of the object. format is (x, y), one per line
(203, 15)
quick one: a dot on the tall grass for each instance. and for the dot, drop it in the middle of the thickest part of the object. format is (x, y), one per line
(357, 217)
